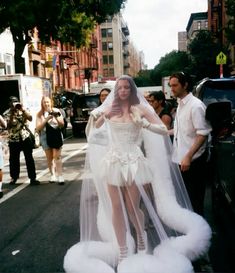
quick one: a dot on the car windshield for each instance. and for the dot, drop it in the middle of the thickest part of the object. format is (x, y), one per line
(86, 102)
(92, 102)
(219, 92)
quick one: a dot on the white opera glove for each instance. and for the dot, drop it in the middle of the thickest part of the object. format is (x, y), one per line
(138, 120)
(96, 114)
(160, 129)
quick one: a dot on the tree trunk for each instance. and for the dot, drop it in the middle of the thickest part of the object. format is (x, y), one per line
(19, 61)
(19, 48)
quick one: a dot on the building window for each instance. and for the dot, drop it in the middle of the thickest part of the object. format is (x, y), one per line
(103, 32)
(8, 60)
(105, 59)
(110, 46)
(104, 46)
(107, 46)
(106, 32)
(106, 72)
(110, 32)
(110, 59)
(199, 25)
(111, 72)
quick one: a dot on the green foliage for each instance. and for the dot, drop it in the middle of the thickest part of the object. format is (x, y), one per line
(69, 21)
(170, 63)
(144, 78)
(230, 28)
(62, 19)
(203, 51)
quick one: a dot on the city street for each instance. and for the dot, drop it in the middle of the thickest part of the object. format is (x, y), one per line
(121, 73)
(40, 223)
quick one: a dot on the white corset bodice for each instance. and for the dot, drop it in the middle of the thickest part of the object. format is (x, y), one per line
(124, 161)
(124, 136)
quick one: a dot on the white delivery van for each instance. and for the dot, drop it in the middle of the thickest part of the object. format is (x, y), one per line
(29, 90)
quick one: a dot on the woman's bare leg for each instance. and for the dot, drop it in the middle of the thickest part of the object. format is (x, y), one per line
(132, 199)
(118, 220)
(58, 161)
(49, 156)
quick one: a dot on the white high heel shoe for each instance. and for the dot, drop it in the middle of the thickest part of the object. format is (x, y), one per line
(142, 244)
(123, 253)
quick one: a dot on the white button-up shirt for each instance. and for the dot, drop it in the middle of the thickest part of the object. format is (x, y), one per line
(189, 122)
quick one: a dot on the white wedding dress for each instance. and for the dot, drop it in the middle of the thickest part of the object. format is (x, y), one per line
(125, 162)
(130, 154)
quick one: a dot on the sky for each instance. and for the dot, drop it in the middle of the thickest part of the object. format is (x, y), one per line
(154, 24)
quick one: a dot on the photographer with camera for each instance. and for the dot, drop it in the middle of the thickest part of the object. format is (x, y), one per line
(17, 119)
(49, 119)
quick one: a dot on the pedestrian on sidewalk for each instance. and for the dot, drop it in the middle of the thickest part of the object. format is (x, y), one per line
(17, 118)
(191, 133)
(3, 125)
(47, 119)
(158, 101)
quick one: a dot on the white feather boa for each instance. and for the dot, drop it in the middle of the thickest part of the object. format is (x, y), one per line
(171, 255)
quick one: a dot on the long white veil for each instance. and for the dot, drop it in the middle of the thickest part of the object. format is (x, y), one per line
(176, 235)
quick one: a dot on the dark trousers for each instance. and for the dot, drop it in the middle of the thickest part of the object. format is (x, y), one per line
(14, 149)
(195, 182)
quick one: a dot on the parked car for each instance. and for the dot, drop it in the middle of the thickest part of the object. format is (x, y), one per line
(219, 97)
(82, 105)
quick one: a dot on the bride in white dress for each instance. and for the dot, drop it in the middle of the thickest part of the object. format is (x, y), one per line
(128, 169)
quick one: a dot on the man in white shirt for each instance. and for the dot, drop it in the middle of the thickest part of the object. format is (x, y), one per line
(191, 132)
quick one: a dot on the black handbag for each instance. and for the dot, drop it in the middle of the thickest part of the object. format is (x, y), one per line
(54, 136)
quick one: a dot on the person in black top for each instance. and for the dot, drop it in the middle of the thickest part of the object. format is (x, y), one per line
(158, 101)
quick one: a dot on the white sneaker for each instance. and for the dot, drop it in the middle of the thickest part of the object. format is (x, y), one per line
(61, 180)
(53, 179)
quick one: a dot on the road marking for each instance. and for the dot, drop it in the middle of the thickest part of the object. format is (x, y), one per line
(38, 150)
(39, 175)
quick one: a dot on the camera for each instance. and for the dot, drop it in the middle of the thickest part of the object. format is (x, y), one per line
(17, 105)
(55, 114)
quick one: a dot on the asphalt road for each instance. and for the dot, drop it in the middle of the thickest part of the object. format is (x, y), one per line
(40, 223)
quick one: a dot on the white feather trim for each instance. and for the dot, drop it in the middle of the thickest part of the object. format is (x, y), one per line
(92, 257)
(168, 261)
(195, 240)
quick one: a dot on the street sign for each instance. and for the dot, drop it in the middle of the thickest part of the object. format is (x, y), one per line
(221, 58)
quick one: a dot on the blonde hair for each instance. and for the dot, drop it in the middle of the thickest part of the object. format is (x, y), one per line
(42, 110)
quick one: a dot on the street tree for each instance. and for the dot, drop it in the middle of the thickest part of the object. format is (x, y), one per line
(70, 21)
(170, 63)
(144, 78)
(230, 28)
(203, 51)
